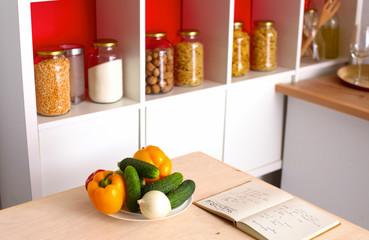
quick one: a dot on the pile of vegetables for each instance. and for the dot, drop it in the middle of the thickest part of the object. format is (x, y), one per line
(143, 183)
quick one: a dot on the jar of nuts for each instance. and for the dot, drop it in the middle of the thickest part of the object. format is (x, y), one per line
(159, 64)
(188, 59)
(241, 50)
(52, 82)
(264, 47)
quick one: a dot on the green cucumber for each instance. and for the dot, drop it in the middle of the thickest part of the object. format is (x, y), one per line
(181, 193)
(164, 185)
(133, 188)
(144, 169)
(142, 180)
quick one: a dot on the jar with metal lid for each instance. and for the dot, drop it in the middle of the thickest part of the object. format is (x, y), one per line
(159, 64)
(241, 50)
(331, 36)
(188, 59)
(264, 47)
(105, 71)
(52, 82)
(74, 53)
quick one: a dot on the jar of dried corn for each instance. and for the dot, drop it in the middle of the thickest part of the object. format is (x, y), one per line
(264, 47)
(188, 59)
(241, 50)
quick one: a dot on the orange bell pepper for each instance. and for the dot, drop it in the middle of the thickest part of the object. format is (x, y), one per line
(156, 157)
(107, 191)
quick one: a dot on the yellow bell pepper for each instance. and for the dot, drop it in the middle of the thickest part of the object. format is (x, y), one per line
(156, 157)
(107, 192)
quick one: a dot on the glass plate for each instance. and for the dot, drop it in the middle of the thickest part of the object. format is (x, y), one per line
(124, 214)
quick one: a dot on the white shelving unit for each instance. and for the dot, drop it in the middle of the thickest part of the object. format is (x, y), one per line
(238, 120)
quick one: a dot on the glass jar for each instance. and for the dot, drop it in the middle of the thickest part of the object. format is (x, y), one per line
(159, 64)
(74, 53)
(52, 82)
(105, 72)
(188, 59)
(331, 36)
(241, 50)
(264, 47)
(316, 49)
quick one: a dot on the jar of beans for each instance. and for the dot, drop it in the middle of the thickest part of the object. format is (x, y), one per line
(188, 59)
(264, 47)
(52, 82)
(159, 64)
(241, 50)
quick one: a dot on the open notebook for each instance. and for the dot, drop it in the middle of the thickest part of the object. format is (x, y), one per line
(266, 212)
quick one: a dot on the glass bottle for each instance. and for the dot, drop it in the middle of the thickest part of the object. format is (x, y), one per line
(74, 53)
(188, 59)
(52, 82)
(264, 47)
(241, 50)
(159, 64)
(331, 36)
(317, 46)
(105, 71)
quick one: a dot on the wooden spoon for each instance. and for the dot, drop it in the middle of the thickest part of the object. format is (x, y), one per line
(329, 9)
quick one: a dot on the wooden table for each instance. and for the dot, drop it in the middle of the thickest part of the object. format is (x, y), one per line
(70, 215)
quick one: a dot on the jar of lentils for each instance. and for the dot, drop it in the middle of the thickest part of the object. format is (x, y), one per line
(52, 82)
(241, 50)
(159, 64)
(188, 59)
(264, 47)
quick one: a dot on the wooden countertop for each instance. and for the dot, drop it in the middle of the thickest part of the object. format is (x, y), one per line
(329, 91)
(70, 214)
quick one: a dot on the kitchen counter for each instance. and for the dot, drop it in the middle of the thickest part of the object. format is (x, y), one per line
(327, 139)
(70, 214)
(330, 92)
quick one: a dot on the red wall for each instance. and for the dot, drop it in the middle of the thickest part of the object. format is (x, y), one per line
(67, 21)
(74, 21)
(164, 16)
(243, 13)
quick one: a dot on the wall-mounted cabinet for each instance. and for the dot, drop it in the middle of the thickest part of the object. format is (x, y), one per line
(236, 119)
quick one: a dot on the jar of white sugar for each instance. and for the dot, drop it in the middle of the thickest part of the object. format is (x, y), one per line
(105, 72)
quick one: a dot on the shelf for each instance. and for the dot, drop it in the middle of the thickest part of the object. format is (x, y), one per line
(84, 111)
(308, 64)
(257, 76)
(206, 84)
(228, 108)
